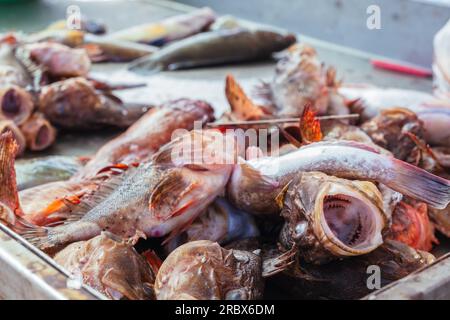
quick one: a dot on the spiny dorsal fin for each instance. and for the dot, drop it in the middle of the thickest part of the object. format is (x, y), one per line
(9, 199)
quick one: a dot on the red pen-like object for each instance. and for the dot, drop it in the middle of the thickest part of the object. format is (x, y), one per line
(401, 68)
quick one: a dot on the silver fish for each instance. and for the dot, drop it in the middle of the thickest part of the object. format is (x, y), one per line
(255, 184)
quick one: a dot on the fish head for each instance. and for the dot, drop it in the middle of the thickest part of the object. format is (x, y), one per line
(391, 130)
(300, 78)
(191, 190)
(333, 217)
(411, 225)
(16, 103)
(110, 265)
(204, 270)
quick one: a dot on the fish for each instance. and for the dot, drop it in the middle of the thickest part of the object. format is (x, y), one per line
(213, 48)
(16, 104)
(74, 104)
(98, 48)
(37, 171)
(111, 266)
(328, 218)
(9, 126)
(9, 200)
(411, 225)
(86, 24)
(255, 184)
(348, 278)
(441, 220)
(221, 223)
(369, 101)
(148, 134)
(135, 205)
(203, 270)
(168, 30)
(302, 79)
(54, 60)
(391, 129)
(38, 132)
(53, 202)
(12, 72)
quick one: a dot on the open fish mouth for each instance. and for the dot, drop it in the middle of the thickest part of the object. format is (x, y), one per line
(15, 104)
(351, 223)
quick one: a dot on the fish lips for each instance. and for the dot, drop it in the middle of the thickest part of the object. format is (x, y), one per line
(347, 223)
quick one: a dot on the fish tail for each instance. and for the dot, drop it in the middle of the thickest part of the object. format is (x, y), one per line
(420, 184)
(146, 65)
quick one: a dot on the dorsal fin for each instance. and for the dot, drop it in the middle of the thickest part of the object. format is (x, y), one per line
(9, 199)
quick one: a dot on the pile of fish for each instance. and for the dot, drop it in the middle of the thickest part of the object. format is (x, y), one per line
(185, 206)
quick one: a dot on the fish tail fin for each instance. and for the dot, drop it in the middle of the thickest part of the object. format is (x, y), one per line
(34, 234)
(145, 65)
(420, 184)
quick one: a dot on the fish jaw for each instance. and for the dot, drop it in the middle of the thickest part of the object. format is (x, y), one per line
(203, 188)
(331, 218)
(367, 216)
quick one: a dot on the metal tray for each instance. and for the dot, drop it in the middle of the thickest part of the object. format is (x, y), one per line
(27, 273)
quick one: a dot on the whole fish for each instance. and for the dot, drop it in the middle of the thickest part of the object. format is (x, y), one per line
(329, 218)
(38, 132)
(411, 225)
(110, 266)
(348, 278)
(149, 133)
(86, 24)
(169, 29)
(221, 223)
(99, 48)
(434, 113)
(255, 184)
(38, 171)
(9, 126)
(213, 48)
(137, 204)
(55, 60)
(301, 79)
(75, 104)
(203, 270)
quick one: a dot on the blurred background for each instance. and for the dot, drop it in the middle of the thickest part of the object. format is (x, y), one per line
(407, 26)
